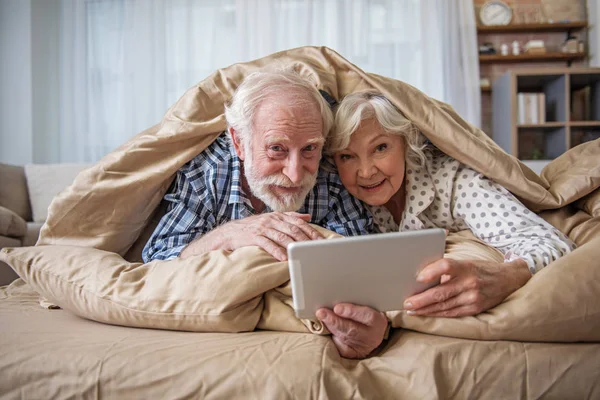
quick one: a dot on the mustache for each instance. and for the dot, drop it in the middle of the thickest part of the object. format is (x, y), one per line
(284, 181)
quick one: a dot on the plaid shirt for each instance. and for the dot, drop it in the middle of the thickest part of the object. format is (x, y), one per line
(207, 193)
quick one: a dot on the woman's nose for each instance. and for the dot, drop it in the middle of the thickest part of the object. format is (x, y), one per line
(366, 170)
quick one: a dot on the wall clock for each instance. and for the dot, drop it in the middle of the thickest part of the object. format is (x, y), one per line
(495, 12)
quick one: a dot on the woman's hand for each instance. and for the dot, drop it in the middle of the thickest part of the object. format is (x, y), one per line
(356, 330)
(467, 287)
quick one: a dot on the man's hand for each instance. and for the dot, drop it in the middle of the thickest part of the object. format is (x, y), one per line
(356, 330)
(272, 232)
(467, 287)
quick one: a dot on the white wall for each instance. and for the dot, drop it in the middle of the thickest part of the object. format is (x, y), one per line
(29, 81)
(15, 82)
(594, 32)
(44, 72)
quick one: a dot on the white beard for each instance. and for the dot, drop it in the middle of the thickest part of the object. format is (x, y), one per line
(260, 187)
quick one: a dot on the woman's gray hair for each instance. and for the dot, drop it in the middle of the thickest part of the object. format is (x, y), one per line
(367, 104)
(261, 85)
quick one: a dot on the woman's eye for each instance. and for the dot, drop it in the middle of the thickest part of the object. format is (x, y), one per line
(381, 147)
(345, 157)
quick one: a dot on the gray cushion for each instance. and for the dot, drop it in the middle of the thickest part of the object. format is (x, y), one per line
(6, 241)
(13, 190)
(7, 274)
(11, 224)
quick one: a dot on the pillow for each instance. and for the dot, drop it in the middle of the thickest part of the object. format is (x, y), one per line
(11, 224)
(215, 292)
(45, 181)
(13, 190)
(239, 291)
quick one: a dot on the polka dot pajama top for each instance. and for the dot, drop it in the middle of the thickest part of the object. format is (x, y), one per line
(447, 194)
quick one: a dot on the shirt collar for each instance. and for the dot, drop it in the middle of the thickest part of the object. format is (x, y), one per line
(237, 195)
(420, 193)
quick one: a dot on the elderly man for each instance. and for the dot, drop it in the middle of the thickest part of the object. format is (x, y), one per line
(260, 183)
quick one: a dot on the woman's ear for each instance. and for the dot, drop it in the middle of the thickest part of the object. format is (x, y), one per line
(237, 143)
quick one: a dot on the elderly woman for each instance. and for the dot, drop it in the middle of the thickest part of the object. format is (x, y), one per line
(408, 184)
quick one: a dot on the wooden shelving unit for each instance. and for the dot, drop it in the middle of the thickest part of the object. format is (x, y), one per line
(560, 132)
(553, 34)
(584, 124)
(566, 27)
(546, 125)
(528, 28)
(567, 57)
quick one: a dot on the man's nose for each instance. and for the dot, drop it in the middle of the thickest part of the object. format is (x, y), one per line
(293, 169)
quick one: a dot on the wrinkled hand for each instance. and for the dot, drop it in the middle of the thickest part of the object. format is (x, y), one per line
(272, 232)
(467, 287)
(356, 330)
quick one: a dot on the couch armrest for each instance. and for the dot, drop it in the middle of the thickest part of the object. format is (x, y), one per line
(13, 190)
(7, 274)
(11, 224)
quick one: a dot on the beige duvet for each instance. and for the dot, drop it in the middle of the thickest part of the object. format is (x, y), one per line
(87, 262)
(54, 354)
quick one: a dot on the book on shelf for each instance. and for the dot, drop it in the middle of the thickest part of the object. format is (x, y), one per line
(531, 108)
(581, 104)
(541, 98)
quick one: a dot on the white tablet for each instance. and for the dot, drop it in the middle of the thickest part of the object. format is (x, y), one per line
(376, 270)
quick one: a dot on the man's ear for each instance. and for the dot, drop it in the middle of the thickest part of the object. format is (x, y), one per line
(237, 143)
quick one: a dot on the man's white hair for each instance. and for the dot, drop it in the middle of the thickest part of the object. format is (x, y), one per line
(262, 85)
(367, 104)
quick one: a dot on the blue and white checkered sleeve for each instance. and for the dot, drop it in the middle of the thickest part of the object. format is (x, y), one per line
(187, 218)
(347, 215)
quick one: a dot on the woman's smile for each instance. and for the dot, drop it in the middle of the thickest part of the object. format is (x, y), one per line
(373, 187)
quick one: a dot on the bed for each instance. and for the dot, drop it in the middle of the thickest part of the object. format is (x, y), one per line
(89, 319)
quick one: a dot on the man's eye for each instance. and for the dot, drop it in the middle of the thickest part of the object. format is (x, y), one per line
(310, 147)
(276, 148)
(381, 147)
